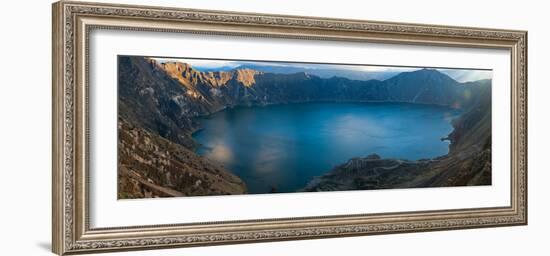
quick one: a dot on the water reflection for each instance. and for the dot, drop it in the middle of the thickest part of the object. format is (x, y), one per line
(280, 148)
(220, 153)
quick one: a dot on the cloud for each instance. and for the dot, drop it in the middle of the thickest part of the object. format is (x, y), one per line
(201, 63)
(467, 75)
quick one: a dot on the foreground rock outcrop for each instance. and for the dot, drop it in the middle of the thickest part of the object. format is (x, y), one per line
(151, 166)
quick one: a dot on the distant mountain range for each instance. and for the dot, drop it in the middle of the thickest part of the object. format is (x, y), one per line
(165, 98)
(335, 70)
(320, 72)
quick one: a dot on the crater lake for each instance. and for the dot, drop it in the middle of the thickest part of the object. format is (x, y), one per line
(280, 148)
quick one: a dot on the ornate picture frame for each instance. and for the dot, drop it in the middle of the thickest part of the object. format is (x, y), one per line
(72, 24)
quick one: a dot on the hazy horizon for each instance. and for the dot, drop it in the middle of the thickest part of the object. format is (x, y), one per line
(354, 72)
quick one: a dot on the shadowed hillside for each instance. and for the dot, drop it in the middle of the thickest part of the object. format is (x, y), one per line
(151, 166)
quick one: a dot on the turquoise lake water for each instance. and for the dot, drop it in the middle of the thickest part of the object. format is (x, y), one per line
(281, 147)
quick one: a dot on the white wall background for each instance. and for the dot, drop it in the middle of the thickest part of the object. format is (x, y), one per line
(25, 116)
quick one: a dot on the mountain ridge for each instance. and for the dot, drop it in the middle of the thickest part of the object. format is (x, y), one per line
(394, 89)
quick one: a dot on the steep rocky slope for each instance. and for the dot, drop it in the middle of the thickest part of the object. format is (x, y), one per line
(151, 166)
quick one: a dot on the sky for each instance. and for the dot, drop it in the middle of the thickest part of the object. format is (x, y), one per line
(360, 72)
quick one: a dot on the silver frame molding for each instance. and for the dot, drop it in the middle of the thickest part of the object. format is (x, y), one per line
(72, 22)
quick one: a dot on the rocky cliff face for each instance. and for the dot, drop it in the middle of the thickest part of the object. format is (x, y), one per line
(164, 99)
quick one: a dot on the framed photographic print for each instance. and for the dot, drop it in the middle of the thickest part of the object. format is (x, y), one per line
(179, 127)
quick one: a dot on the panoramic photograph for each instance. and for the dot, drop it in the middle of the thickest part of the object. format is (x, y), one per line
(208, 127)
